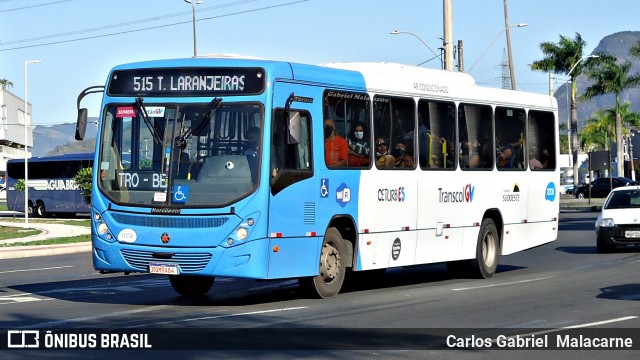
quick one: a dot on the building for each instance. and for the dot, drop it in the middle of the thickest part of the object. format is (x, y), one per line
(12, 126)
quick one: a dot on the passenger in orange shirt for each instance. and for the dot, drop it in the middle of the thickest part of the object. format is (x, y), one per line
(336, 149)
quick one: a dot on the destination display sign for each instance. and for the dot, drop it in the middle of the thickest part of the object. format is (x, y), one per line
(193, 81)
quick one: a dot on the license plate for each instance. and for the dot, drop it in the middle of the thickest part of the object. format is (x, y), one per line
(632, 234)
(166, 269)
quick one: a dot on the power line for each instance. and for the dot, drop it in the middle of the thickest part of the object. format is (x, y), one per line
(155, 18)
(33, 6)
(156, 27)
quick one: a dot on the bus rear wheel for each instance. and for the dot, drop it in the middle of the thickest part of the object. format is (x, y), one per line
(332, 268)
(191, 286)
(41, 211)
(487, 250)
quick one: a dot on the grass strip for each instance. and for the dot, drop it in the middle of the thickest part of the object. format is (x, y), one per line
(54, 241)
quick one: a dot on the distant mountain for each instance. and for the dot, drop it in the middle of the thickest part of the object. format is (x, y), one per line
(617, 45)
(60, 139)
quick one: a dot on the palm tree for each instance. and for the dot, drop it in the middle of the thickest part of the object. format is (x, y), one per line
(565, 58)
(564, 142)
(610, 76)
(598, 130)
(5, 84)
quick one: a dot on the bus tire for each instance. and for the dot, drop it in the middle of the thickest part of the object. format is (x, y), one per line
(191, 286)
(31, 212)
(332, 267)
(41, 211)
(487, 250)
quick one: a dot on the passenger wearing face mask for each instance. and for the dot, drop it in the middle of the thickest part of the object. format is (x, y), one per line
(358, 147)
(402, 158)
(335, 147)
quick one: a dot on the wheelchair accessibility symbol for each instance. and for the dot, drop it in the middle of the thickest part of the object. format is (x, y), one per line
(180, 193)
(324, 188)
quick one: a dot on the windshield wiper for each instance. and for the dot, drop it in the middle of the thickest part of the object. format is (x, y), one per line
(145, 117)
(202, 122)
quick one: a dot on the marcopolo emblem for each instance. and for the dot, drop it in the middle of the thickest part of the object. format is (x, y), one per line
(165, 238)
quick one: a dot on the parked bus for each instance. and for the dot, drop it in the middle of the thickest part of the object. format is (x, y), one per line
(202, 197)
(52, 189)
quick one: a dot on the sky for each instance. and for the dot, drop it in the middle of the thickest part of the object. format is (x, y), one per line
(79, 41)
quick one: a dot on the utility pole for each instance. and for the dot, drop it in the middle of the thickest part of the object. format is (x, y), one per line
(506, 26)
(460, 57)
(448, 34)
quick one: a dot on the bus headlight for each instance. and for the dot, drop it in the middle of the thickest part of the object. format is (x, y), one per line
(103, 228)
(606, 223)
(242, 233)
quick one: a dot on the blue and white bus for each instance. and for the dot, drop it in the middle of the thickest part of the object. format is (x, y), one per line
(52, 188)
(200, 197)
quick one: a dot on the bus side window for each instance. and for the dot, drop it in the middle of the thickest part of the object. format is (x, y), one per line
(436, 135)
(541, 140)
(510, 139)
(349, 114)
(475, 127)
(394, 122)
(290, 163)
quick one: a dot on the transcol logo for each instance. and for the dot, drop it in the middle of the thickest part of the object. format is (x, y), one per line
(465, 195)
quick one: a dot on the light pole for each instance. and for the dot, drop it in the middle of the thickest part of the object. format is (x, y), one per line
(397, 32)
(631, 163)
(492, 42)
(193, 11)
(26, 143)
(573, 127)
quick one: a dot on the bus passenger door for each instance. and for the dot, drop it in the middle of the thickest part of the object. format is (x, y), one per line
(294, 246)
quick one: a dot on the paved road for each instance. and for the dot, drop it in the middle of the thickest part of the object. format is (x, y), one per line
(558, 285)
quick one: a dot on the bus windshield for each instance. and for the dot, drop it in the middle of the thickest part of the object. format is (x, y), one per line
(180, 155)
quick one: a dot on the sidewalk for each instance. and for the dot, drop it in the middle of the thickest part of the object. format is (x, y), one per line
(568, 203)
(49, 231)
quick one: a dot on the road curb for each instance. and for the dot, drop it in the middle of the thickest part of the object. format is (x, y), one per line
(15, 252)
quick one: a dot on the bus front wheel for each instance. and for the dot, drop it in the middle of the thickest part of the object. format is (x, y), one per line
(332, 267)
(191, 286)
(487, 250)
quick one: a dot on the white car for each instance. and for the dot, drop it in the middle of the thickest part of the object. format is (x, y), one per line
(619, 220)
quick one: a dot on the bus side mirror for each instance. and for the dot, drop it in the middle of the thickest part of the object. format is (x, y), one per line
(293, 126)
(81, 124)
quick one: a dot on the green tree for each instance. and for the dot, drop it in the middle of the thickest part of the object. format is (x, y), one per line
(19, 186)
(5, 84)
(564, 141)
(565, 58)
(83, 180)
(611, 77)
(598, 130)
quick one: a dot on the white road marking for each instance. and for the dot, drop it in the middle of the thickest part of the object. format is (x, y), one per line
(502, 284)
(51, 324)
(19, 298)
(221, 316)
(37, 269)
(579, 326)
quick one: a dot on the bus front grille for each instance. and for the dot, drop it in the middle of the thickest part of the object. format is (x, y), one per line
(170, 222)
(188, 262)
